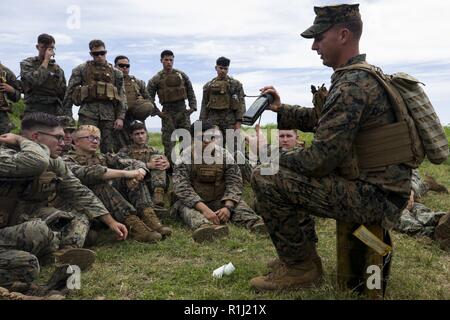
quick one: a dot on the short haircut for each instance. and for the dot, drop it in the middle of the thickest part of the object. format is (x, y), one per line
(355, 27)
(96, 43)
(120, 58)
(205, 125)
(87, 127)
(167, 53)
(39, 121)
(222, 61)
(136, 125)
(46, 39)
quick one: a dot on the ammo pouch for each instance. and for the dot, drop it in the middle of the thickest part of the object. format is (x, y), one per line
(220, 98)
(99, 91)
(208, 181)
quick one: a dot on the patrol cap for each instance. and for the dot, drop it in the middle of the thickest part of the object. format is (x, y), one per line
(222, 61)
(67, 122)
(328, 16)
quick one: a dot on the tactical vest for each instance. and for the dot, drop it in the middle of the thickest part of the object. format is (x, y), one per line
(99, 85)
(131, 90)
(222, 96)
(141, 154)
(51, 86)
(171, 87)
(208, 181)
(4, 104)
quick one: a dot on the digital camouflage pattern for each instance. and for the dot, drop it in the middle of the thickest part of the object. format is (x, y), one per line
(101, 114)
(44, 88)
(156, 178)
(310, 181)
(175, 115)
(224, 118)
(10, 78)
(118, 198)
(21, 244)
(188, 197)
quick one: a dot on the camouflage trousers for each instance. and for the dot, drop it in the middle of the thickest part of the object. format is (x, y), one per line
(244, 216)
(224, 119)
(70, 226)
(5, 124)
(140, 197)
(287, 200)
(121, 137)
(113, 200)
(420, 221)
(106, 129)
(157, 179)
(20, 247)
(176, 117)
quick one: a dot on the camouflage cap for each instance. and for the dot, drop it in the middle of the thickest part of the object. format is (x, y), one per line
(68, 123)
(328, 16)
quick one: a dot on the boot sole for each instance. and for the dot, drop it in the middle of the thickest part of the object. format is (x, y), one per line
(83, 258)
(209, 234)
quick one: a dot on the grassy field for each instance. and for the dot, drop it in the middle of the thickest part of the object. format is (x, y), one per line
(179, 268)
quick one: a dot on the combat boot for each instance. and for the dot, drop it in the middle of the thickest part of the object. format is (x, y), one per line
(150, 218)
(209, 232)
(305, 274)
(277, 263)
(83, 258)
(434, 186)
(139, 231)
(158, 196)
(259, 228)
(442, 232)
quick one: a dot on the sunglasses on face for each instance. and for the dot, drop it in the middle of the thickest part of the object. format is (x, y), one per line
(58, 137)
(122, 65)
(98, 53)
(91, 138)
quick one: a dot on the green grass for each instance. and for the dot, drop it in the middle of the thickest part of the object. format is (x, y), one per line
(179, 268)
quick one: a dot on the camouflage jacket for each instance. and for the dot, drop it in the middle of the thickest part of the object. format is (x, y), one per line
(182, 178)
(154, 83)
(12, 81)
(36, 79)
(97, 110)
(355, 99)
(31, 161)
(235, 89)
(91, 168)
(145, 153)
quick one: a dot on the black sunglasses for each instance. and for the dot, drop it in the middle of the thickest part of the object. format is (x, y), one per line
(122, 65)
(98, 53)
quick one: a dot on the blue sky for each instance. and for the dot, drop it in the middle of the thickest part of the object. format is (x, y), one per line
(261, 37)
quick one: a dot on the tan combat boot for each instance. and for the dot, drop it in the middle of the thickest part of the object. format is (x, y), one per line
(306, 274)
(442, 232)
(150, 218)
(209, 232)
(158, 196)
(434, 186)
(259, 228)
(277, 263)
(83, 258)
(139, 231)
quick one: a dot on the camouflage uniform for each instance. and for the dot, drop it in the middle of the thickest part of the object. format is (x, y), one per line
(156, 178)
(44, 88)
(10, 78)
(21, 244)
(99, 112)
(175, 113)
(117, 198)
(189, 188)
(71, 215)
(319, 180)
(223, 103)
(140, 107)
